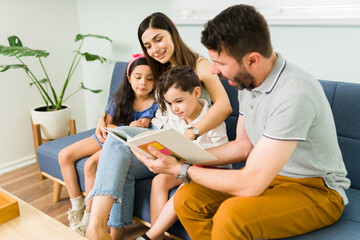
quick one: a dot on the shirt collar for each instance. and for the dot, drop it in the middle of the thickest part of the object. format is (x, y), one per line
(271, 80)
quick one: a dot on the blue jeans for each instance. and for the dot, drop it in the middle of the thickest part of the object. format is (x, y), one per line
(117, 171)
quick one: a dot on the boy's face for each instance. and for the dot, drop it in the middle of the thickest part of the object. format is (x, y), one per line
(183, 104)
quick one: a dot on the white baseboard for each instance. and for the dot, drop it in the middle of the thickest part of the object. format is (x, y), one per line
(16, 164)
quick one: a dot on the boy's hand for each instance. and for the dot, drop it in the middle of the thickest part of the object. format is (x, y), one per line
(162, 164)
(189, 134)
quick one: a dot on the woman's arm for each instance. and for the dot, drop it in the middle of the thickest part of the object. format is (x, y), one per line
(221, 107)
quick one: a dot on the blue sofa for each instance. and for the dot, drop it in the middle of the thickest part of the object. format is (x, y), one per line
(344, 99)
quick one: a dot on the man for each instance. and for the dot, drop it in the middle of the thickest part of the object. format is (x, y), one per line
(294, 179)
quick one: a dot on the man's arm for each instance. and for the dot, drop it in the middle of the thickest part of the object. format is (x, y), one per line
(262, 165)
(233, 151)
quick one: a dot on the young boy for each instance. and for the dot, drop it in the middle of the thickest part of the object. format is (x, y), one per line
(178, 90)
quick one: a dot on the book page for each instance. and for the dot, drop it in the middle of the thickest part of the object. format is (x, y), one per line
(170, 142)
(117, 133)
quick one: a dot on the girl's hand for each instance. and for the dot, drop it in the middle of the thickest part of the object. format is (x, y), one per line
(134, 123)
(142, 122)
(100, 134)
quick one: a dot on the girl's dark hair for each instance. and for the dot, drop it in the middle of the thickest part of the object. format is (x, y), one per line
(125, 96)
(239, 29)
(182, 77)
(182, 53)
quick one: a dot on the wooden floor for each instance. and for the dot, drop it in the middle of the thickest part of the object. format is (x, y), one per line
(25, 183)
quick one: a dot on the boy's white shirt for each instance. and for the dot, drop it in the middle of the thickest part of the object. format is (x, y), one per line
(212, 138)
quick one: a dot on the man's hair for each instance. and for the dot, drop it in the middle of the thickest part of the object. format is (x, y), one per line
(238, 30)
(180, 77)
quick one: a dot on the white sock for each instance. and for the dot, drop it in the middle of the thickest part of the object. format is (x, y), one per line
(85, 218)
(77, 203)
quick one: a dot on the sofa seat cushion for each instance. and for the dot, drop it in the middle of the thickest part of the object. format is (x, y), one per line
(346, 228)
(47, 155)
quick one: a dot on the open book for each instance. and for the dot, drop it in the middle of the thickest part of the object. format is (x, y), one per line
(168, 141)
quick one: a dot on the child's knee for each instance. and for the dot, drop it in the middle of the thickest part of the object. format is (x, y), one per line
(158, 179)
(90, 167)
(63, 156)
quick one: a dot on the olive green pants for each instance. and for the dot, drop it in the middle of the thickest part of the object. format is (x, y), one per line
(288, 207)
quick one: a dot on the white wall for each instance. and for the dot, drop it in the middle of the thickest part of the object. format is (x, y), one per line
(41, 24)
(328, 52)
(118, 20)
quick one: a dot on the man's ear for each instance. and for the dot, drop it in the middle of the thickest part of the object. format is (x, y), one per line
(252, 59)
(197, 92)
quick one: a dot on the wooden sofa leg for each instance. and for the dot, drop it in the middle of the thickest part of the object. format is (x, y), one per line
(57, 191)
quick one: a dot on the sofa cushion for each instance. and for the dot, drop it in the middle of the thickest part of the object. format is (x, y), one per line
(47, 155)
(347, 119)
(116, 78)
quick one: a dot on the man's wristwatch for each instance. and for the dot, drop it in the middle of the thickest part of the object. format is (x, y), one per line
(183, 177)
(195, 131)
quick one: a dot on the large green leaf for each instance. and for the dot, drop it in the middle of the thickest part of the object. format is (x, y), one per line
(81, 37)
(92, 57)
(13, 66)
(91, 90)
(13, 51)
(14, 41)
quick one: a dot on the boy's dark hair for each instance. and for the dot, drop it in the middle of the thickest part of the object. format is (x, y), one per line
(182, 77)
(239, 30)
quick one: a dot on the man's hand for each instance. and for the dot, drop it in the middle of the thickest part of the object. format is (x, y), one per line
(162, 164)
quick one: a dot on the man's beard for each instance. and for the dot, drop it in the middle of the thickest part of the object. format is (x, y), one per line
(244, 80)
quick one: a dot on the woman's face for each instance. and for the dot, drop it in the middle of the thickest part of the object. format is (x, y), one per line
(159, 45)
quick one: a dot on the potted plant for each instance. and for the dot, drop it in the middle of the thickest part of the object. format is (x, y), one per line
(53, 101)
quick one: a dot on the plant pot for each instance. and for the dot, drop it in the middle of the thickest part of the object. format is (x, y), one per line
(53, 124)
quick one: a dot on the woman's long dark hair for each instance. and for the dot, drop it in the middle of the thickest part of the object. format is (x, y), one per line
(182, 53)
(125, 96)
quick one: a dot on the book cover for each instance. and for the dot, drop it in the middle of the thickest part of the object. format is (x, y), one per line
(167, 141)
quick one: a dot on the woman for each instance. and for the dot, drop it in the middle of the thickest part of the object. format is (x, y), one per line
(118, 167)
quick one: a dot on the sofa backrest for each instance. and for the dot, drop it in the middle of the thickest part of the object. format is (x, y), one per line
(344, 99)
(117, 76)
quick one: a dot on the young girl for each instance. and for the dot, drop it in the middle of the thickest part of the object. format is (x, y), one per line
(133, 104)
(178, 90)
(164, 49)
